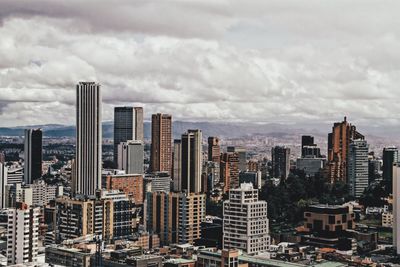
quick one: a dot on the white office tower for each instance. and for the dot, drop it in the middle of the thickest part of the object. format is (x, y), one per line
(358, 167)
(3, 186)
(22, 235)
(87, 178)
(131, 157)
(246, 221)
(396, 207)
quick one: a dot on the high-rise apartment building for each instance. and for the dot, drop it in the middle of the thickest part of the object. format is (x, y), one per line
(22, 235)
(242, 155)
(131, 157)
(161, 143)
(177, 166)
(390, 156)
(32, 155)
(128, 125)
(87, 174)
(343, 133)
(191, 161)
(157, 182)
(130, 184)
(358, 167)
(229, 168)
(214, 149)
(175, 217)
(246, 225)
(280, 162)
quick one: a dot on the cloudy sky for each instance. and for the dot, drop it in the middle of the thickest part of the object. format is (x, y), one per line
(203, 60)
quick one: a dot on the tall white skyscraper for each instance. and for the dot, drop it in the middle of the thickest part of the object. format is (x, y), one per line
(131, 157)
(3, 186)
(245, 221)
(87, 175)
(192, 155)
(358, 167)
(22, 234)
(32, 155)
(396, 207)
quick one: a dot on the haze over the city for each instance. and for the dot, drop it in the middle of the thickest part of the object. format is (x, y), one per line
(224, 61)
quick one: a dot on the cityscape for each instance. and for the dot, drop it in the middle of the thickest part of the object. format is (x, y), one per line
(199, 133)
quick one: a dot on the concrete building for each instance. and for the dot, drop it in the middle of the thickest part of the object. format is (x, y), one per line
(15, 175)
(32, 155)
(19, 193)
(396, 207)
(191, 161)
(177, 169)
(128, 125)
(161, 143)
(87, 173)
(64, 256)
(390, 156)
(158, 182)
(175, 217)
(22, 235)
(343, 133)
(131, 157)
(251, 177)
(3, 186)
(246, 225)
(280, 162)
(214, 149)
(358, 167)
(310, 165)
(229, 168)
(242, 156)
(130, 184)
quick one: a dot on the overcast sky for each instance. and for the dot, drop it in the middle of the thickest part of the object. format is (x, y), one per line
(203, 60)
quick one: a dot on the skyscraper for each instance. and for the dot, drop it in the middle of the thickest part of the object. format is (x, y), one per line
(358, 167)
(307, 140)
(229, 169)
(246, 224)
(87, 175)
(128, 125)
(3, 186)
(390, 156)
(343, 133)
(130, 157)
(214, 150)
(191, 161)
(177, 171)
(161, 143)
(396, 207)
(280, 162)
(241, 151)
(32, 155)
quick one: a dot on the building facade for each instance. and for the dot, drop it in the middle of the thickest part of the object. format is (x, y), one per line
(130, 184)
(32, 155)
(161, 143)
(191, 166)
(358, 167)
(246, 225)
(280, 162)
(214, 149)
(87, 173)
(131, 157)
(229, 168)
(177, 169)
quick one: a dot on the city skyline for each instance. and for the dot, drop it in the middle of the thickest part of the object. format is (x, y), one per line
(252, 63)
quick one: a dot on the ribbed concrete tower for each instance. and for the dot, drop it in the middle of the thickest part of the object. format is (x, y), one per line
(88, 139)
(33, 155)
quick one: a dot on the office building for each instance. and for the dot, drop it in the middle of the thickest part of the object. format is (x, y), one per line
(131, 157)
(19, 193)
(191, 161)
(15, 175)
(390, 156)
(128, 125)
(175, 217)
(161, 143)
(343, 133)
(213, 172)
(229, 168)
(177, 166)
(242, 155)
(396, 207)
(246, 225)
(65, 256)
(374, 169)
(22, 235)
(32, 155)
(307, 140)
(280, 162)
(214, 149)
(43, 193)
(130, 184)
(87, 173)
(310, 165)
(158, 182)
(308, 148)
(3, 186)
(253, 178)
(358, 167)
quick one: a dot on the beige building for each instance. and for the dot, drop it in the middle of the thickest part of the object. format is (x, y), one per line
(161, 143)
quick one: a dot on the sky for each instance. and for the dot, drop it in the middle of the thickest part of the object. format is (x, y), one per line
(275, 61)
